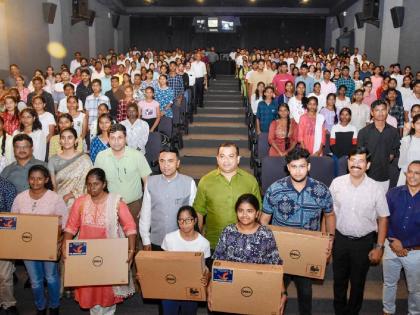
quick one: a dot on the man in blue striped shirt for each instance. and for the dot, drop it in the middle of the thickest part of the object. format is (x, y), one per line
(346, 80)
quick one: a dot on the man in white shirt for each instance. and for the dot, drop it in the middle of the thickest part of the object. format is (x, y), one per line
(62, 105)
(58, 90)
(411, 100)
(137, 129)
(355, 55)
(361, 212)
(397, 75)
(163, 195)
(98, 71)
(200, 71)
(75, 63)
(327, 86)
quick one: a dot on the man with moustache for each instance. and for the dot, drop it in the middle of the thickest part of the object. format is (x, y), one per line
(298, 201)
(361, 210)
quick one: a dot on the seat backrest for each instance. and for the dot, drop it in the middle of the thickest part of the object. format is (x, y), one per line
(322, 169)
(153, 147)
(272, 169)
(165, 126)
(263, 145)
(342, 166)
(176, 114)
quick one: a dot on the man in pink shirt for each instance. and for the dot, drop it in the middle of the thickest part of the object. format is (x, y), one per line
(280, 79)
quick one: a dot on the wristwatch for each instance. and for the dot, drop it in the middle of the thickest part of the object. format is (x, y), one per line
(376, 245)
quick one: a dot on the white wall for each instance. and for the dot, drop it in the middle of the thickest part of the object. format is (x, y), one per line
(24, 34)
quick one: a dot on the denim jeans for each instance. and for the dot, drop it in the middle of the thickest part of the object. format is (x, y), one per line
(171, 307)
(391, 270)
(38, 271)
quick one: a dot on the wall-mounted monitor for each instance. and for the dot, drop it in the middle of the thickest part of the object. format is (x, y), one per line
(219, 24)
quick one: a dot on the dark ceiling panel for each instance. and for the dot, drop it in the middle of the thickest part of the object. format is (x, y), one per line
(262, 3)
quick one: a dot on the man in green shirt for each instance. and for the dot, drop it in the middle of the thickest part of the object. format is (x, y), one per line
(125, 168)
(219, 190)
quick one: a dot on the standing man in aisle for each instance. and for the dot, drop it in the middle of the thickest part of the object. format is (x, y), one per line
(164, 194)
(198, 67)
(219, 190)
(213, 57)
(361, 210)
(403, 251)
(298, 201)
(383, 143)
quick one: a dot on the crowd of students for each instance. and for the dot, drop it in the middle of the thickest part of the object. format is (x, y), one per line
(107, 106)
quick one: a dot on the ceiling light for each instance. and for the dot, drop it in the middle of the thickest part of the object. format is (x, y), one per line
(252, 1)
(304, 1)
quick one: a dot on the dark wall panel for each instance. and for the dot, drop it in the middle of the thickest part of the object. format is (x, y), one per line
(154, 32)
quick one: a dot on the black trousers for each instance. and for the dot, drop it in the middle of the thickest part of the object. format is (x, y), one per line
(199, 91)
(304, 292)
(350, 265)
(212, 70)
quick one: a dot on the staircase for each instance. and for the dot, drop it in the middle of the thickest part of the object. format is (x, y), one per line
(221, 120)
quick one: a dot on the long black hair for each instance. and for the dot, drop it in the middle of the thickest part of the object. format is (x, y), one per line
(335, 108)
(45, 172)
(105, 115)
(3, 141)
(287, 139)
(412, 130)
(36, 125)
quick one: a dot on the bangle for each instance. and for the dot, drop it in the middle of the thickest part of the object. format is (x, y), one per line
(284, 293)
(131, 250)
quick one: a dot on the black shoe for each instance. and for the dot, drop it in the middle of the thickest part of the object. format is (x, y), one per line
(41, 312)
(12, 310)
(201, 105)
(54, 311)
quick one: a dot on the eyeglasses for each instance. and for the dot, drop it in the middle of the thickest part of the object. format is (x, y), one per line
(186, 221)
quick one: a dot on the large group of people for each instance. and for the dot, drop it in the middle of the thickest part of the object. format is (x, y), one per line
(72, 144)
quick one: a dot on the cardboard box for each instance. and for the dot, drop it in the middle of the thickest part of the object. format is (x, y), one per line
(171, 275)
(28, 236)
(246, 288)
(96, 262)
(303, 252)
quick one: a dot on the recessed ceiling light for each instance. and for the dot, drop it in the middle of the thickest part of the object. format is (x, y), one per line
(304, 1)
(252, 1)
(200, 1)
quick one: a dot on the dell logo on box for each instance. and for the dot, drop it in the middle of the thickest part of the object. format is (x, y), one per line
(294, 254)
(246, 291)
(97, 261)
(26, 237)
(171, 279)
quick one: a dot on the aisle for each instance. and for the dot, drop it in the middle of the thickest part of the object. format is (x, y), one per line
(221, 120)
